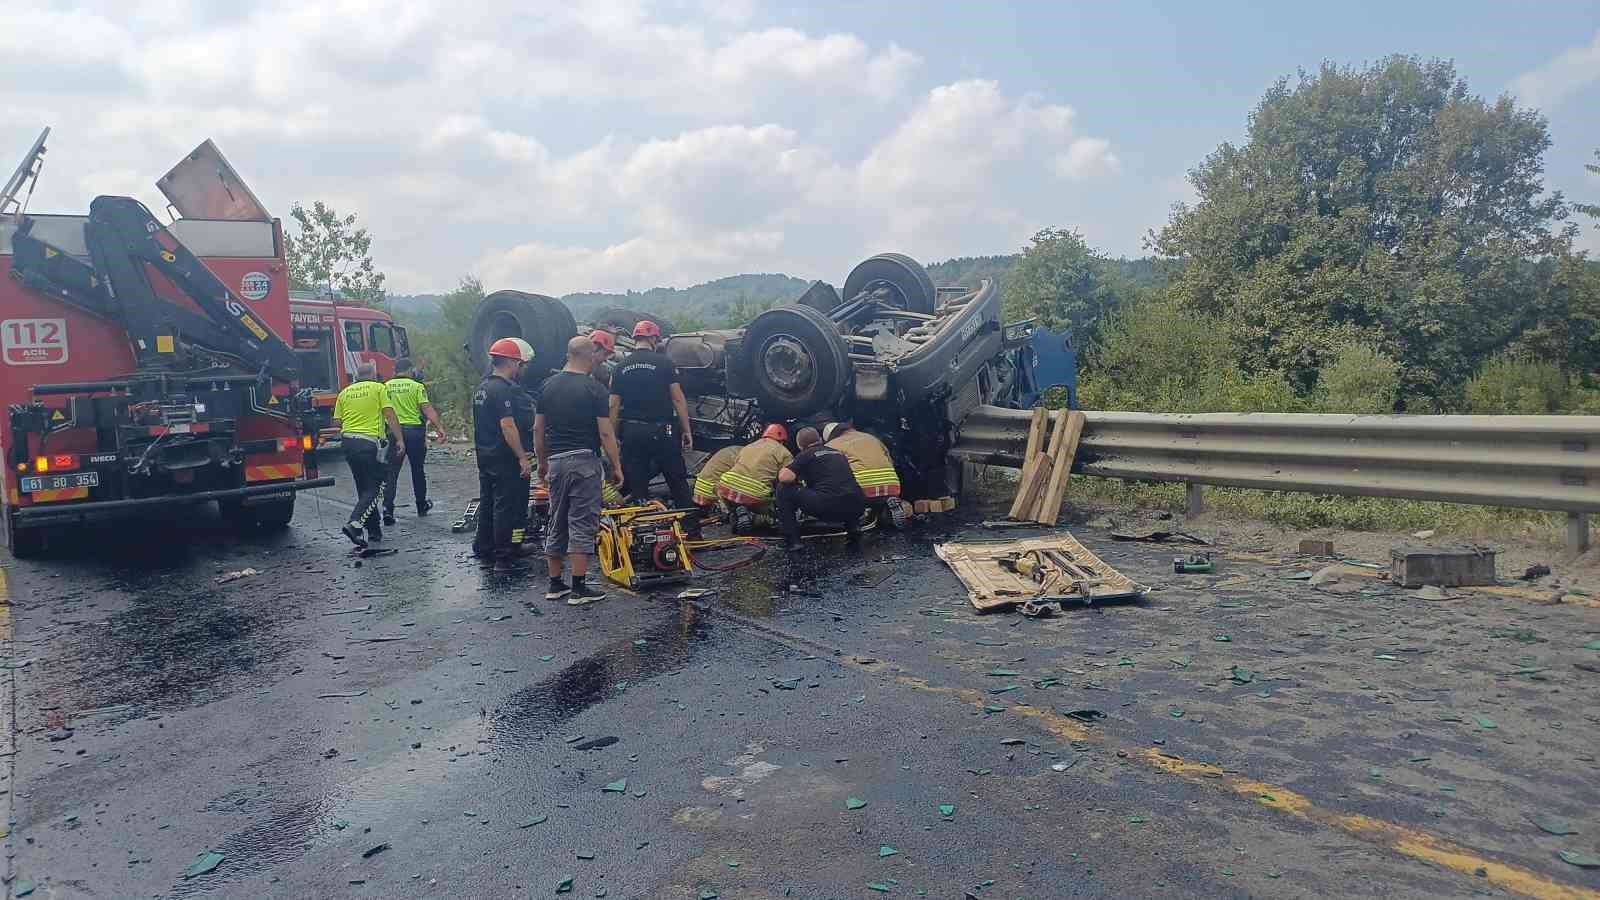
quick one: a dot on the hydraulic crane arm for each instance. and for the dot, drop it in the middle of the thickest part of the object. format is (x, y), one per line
(123, 237)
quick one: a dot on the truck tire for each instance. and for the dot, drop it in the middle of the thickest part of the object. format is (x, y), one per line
(798, 362)
(620, 320)
(24, 543)
(910, 287)
(273, 516)
(544, 322)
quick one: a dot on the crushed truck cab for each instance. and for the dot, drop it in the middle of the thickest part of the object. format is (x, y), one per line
(140, 362)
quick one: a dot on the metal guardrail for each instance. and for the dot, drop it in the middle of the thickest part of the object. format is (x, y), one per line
(1525, 462)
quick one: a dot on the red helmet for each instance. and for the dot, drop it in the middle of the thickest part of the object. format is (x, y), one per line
(776, 432)
(603, 340)
(646, 328)
(512, 348)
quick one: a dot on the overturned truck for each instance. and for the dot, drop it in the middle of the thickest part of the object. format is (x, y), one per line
(901, 358)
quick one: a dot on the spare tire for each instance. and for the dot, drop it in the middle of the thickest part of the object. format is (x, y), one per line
(798, 361)
(544, 322)
(910, 287)
(620, 320)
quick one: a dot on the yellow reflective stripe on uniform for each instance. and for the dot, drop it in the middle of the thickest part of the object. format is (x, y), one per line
(877, 476)
(746, 485)
(705, 487)
(610, 497)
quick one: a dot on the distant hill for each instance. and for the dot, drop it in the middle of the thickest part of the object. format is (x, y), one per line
(719, 303)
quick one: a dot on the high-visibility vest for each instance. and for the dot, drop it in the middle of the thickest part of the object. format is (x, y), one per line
(749, 482)
(870, 463)
(710, 474)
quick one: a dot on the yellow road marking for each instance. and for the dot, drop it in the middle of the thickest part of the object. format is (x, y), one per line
(1397, 838)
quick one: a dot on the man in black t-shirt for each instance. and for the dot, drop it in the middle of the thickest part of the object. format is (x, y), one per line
(819, 481)
(572, 426)
(502, 419)
(645, 398)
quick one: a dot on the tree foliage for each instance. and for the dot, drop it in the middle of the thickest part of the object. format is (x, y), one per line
(330, 253)
(1063, 281)
(1591, 209)
(1384, 205)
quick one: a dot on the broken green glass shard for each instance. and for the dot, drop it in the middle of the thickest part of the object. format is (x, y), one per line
(1012, 742)
(886, 850)
(1581, 860)
(1484, 721)
(1003, 673)
(206, 863)
(536, 820)
(564, 886)
(1550, 826)
(946, 810)
(616, 787)
(1241, 675)
(853, 803)
(875, 886)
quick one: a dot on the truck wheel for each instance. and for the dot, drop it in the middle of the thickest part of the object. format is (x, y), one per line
(544, 322)
(910, 287)
(24, 543)
(620, 320)
(273, 516)
(798, 361)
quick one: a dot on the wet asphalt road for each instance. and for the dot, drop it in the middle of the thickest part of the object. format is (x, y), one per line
(1234, 735)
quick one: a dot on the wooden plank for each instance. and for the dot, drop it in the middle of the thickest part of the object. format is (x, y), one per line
(1030, 468)
(1034, 481)
(1050, 508)
(1058, 434)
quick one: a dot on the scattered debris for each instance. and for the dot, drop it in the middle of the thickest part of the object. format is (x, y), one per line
(341, 695)
(1411, 567)
(597, 743)
(370, 852)
(1159, 536)
(1423, 535)
(616, 787)
(1316, 547)
(1326, 575)
(887, 850)
(1484, 721)
(1055, 568)
(696, 593)
(853, 803)
(1581, 860)
(206, 863)
(1535, 572)
(1549, 826)
(946, 810)
(1433, 592)
(536, 820)
(345, 612)
(1086, 715)
(564, 886)
(235, 576)
(1193, 564)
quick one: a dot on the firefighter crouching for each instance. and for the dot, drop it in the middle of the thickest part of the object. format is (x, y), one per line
(747, 486)
(710, 474)
(872, 466)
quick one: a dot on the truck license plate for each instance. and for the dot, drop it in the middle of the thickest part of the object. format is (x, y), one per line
(60, 482)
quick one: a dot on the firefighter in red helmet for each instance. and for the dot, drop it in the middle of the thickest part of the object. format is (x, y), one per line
(502, 429)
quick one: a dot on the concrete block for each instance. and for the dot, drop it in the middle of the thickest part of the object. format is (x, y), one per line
(1415, 566)
(1316, 547)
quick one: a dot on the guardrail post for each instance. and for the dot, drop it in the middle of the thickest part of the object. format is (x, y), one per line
(1577, 533)
(1196, 497)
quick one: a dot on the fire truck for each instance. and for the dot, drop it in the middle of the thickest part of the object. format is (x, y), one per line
(140, 362)
(332, 335)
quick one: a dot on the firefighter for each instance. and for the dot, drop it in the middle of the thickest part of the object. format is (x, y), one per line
(604, 346)
(872, 465)
(711, 471)
(819, 482)
(502, 429)
(747, 485)
(411, 404)
(361, 414)
(645, 397)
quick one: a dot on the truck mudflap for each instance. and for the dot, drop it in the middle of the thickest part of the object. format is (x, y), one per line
(38, 516)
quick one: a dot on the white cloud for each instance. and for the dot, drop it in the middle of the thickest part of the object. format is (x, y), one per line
(555, 147)
(1570, 72)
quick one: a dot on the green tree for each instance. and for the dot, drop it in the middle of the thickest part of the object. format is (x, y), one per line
(1384, 205)
(329, 252)
(1062, 281)
(1359, 379)
(448, 371)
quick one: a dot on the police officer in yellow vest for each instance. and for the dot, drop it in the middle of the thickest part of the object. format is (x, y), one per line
(411, 404)
(361, 414)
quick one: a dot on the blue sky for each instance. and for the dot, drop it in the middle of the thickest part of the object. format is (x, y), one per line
(624, 144)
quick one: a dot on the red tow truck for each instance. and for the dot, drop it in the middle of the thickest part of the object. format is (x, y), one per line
(140, 362)
(332, 335)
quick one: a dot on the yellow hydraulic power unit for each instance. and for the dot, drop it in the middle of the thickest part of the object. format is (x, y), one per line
(643, 547)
